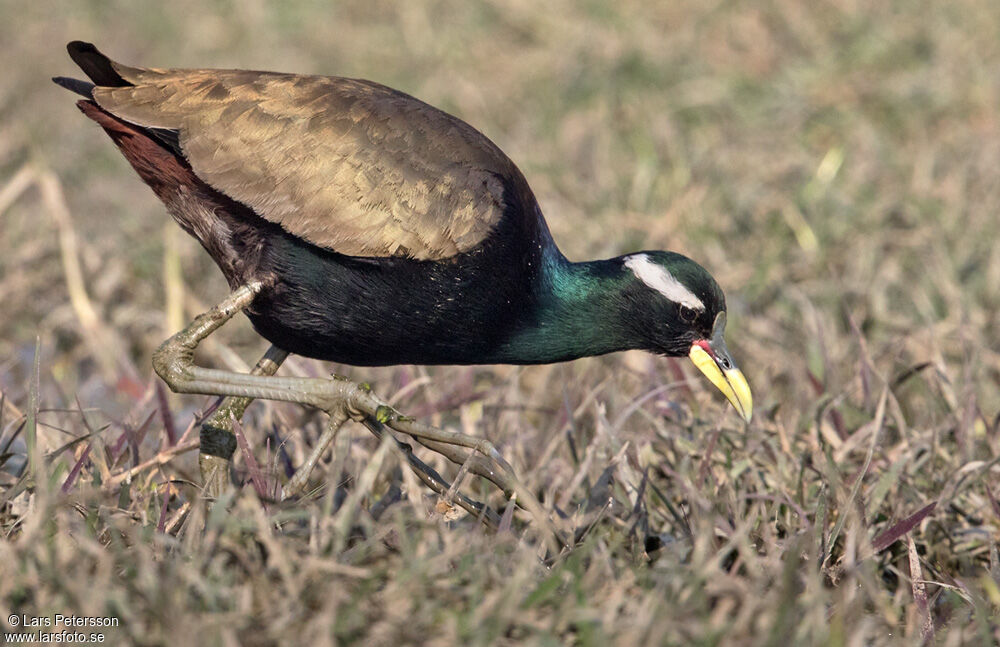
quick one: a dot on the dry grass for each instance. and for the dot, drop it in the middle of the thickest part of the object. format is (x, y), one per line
(836, 166)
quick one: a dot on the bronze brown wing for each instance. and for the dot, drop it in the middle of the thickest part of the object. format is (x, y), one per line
(348, 165)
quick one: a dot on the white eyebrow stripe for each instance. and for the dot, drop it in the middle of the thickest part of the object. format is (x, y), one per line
(658, 278)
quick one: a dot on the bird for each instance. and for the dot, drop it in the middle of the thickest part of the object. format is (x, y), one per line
(380, 230)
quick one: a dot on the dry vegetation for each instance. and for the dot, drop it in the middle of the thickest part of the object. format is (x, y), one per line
(837, 166)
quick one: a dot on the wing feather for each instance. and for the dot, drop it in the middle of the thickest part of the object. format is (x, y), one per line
(349, 165)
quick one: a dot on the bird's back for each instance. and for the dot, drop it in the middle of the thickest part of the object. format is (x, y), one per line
(349, 165)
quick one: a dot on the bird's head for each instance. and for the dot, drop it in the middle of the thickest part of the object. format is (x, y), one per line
(678, 309)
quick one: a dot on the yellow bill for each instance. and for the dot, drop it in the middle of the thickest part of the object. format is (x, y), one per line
(732, 383)
(712, 358)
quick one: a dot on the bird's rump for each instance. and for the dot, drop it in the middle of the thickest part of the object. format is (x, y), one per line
(348, 165)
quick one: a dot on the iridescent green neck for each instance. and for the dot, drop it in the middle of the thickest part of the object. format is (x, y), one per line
(577, 313)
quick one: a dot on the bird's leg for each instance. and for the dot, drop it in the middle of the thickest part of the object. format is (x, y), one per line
(218, 442)
(174, 363)
(298, 481)
(218, 437)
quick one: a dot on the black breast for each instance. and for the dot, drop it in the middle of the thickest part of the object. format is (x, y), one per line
(384, 311)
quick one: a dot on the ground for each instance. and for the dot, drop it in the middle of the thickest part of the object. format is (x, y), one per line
(834, 164)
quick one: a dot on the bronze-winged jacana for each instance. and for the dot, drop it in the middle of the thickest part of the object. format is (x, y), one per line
(360, 225)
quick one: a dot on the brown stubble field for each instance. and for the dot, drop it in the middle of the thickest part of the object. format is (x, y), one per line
(836, 165)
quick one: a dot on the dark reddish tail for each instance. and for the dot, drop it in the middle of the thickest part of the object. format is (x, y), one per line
(224, 227)
(159, 167)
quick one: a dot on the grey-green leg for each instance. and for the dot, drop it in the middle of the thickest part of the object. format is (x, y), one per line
(218, 441)
(298, 481)
(340, 398)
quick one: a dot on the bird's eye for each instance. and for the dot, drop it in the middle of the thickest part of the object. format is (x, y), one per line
(688, 314)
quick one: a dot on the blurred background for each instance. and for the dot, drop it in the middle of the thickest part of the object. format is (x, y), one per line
(834, 164)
